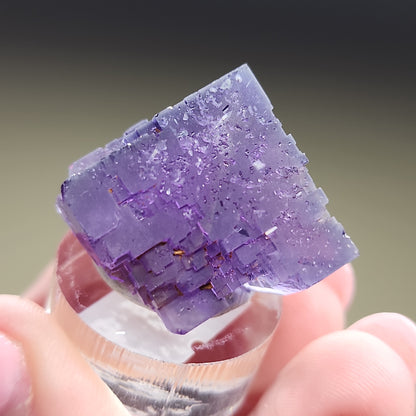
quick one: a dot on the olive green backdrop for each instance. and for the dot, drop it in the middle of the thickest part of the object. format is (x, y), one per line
(341, 80)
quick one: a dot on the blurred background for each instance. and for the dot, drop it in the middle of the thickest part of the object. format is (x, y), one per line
(341, 75)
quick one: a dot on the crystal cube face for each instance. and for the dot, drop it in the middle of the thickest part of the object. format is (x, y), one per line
(211, 198)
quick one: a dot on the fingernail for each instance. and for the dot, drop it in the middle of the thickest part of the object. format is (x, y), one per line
(14, 379)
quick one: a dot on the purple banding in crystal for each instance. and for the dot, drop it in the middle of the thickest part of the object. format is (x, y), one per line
(211, 197)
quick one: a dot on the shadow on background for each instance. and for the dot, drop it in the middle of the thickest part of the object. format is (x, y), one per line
(340, 75)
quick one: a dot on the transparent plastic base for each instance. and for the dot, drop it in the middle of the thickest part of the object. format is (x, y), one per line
(151, 370)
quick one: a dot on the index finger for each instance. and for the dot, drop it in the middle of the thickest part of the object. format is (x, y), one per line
(306, 316)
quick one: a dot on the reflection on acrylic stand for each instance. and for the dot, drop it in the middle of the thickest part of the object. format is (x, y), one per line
(151, 370)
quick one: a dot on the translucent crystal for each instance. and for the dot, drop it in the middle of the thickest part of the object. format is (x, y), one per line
(187, 212)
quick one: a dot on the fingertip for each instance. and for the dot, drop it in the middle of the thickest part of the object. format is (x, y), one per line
(342, 282)
(15, 383)
(348, 372)
(62, 381)
(13, 306)
(397, 331)
(306, 316)
(39, 290)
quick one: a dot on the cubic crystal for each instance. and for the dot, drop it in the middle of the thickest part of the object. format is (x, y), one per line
(211, 198)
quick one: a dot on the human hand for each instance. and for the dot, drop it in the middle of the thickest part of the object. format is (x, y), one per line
(312, 367)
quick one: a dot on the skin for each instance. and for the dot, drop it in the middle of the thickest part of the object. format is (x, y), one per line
(313, 366)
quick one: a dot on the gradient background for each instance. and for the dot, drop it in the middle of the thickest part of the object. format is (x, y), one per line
(341, 76)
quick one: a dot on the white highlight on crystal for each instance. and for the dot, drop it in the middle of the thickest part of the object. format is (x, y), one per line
(226, 85)
(258, 164)
(270, 231)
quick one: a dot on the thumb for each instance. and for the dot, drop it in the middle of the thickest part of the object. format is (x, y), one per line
(59, 381)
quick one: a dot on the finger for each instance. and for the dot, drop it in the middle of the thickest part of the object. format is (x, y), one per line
(347, 372)
(342, 282)
(397, 331)
(305, 316)
(61, 381)
(38, 292)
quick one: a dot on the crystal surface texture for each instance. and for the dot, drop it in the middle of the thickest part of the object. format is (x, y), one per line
(211, 197)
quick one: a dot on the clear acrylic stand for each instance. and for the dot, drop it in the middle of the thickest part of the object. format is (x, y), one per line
(151, 370)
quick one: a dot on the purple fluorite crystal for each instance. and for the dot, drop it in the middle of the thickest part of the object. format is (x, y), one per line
(184, 212)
